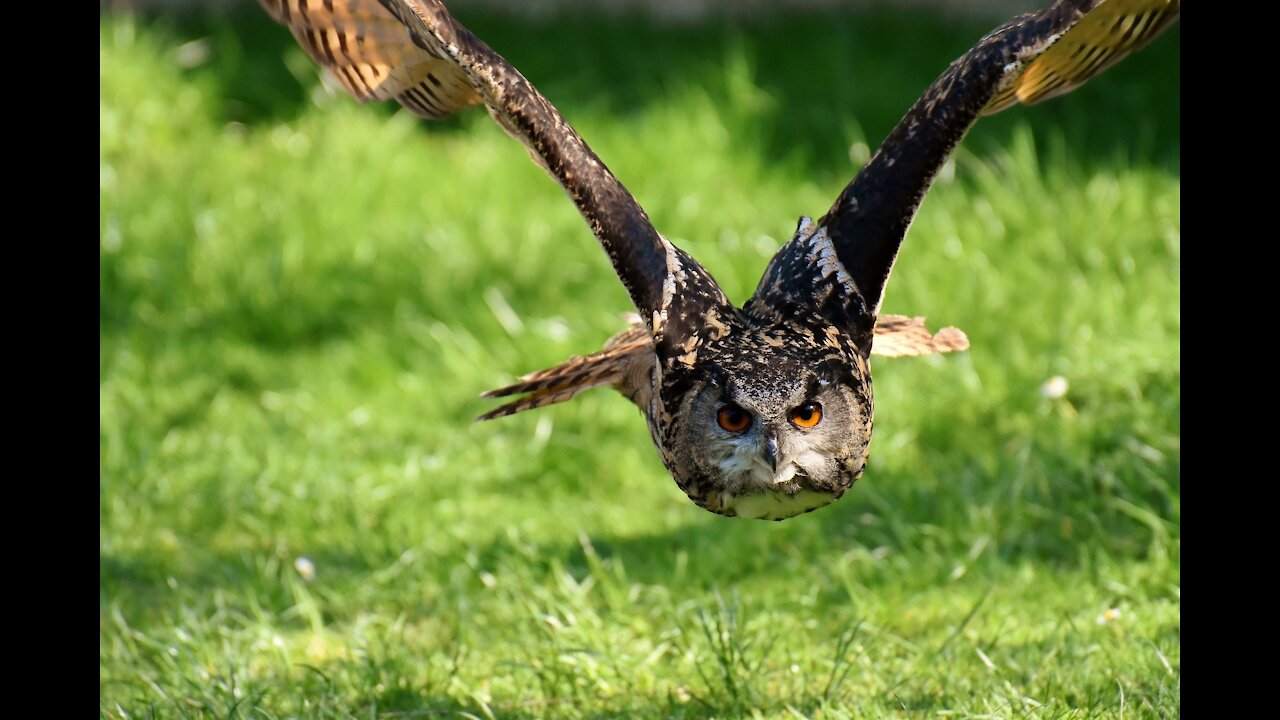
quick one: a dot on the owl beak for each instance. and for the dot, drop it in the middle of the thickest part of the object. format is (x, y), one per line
(771, 451)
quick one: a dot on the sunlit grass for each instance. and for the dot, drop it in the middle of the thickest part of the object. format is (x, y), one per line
(301, 299)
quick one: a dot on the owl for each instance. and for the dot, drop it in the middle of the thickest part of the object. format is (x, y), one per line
(764, 410)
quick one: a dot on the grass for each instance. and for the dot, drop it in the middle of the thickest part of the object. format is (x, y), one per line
(301, 299)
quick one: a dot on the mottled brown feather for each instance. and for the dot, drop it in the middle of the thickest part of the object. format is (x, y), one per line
(368, 51)
(607, 368)
(1102, 38)
(902, 336)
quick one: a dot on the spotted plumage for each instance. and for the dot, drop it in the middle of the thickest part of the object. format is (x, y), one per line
(763, 410)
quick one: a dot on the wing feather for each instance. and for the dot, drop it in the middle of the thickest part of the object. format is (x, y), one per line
(371, 55)
(902, 336)
(1102, 38)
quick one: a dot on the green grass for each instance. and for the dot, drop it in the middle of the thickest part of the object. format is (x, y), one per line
(301, 299)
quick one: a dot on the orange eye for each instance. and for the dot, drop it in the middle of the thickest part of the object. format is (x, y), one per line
(807, 415)
(733, 418)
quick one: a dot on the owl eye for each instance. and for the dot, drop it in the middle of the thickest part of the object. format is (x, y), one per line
(807, 415)
(733, 418)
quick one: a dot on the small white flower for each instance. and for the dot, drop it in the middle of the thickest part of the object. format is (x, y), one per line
(305, 568)
(1054, 388)
(1108, 615)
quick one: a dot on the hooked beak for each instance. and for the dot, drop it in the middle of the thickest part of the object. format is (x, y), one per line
(771, 451)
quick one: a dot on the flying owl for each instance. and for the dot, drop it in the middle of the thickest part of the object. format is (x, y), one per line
(764, 410)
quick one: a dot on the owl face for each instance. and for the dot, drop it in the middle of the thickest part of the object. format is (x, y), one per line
(770, 432)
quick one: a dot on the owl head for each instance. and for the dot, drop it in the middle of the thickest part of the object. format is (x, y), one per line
(767, 423)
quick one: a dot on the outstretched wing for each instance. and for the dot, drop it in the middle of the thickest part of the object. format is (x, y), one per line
(843, 262)
(414, 48)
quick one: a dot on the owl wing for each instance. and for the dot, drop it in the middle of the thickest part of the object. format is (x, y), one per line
(416, 52)
(842, 262)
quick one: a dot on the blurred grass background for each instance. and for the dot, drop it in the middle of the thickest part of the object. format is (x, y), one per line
(301, 299)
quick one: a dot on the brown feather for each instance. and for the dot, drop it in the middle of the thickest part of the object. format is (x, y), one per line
(609, 367)
(370, 53)
(902, 336)
(1104, 36)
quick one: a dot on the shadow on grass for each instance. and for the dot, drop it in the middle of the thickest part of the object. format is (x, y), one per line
(824, 78)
